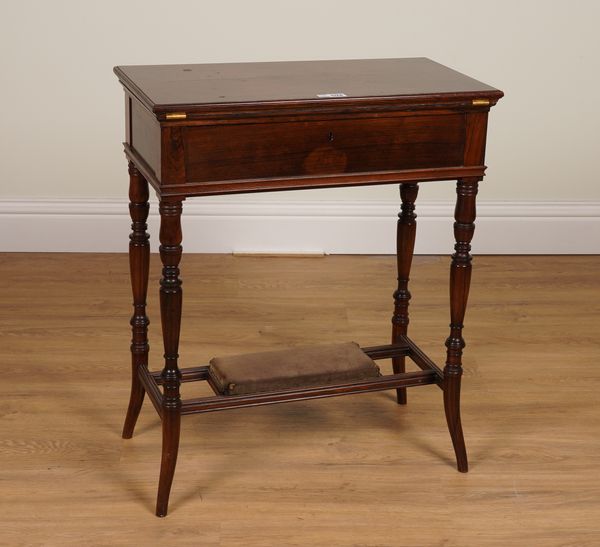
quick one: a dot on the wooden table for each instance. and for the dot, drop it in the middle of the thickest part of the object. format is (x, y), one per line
(197, 130)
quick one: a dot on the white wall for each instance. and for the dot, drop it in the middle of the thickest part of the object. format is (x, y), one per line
(62, 108)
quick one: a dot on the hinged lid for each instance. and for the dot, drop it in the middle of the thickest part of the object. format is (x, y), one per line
(232, 88)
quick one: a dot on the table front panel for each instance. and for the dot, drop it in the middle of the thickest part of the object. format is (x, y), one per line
(323, 147)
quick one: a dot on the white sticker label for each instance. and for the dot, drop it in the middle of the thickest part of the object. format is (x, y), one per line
(331, 95)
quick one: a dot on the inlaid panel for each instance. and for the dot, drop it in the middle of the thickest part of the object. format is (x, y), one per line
(323, 147)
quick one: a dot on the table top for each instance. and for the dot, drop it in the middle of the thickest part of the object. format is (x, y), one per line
(168, 88)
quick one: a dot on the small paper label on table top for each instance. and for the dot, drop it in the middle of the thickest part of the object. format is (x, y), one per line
(330, 95)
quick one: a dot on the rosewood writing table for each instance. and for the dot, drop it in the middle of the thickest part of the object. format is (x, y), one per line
(198, 130)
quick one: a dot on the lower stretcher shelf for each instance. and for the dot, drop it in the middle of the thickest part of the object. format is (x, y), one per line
(430, 374)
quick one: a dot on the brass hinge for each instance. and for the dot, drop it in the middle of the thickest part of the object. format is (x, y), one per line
(176, 116)
(481, 102)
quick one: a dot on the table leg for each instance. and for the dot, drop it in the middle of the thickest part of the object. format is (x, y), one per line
(170, 311)
(139, 261)
(405, 244)
(460, 279)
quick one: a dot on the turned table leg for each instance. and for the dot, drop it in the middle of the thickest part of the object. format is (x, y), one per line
(405, 244)
(139, 261)
(460, 279)
(170, 312)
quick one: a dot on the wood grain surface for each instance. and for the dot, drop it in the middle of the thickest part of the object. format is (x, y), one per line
(351, 471)
(187, 87)
(254, 151)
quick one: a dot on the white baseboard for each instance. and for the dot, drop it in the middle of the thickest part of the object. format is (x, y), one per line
(331, 227)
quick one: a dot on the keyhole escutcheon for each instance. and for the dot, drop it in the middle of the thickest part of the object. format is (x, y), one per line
(330, 136)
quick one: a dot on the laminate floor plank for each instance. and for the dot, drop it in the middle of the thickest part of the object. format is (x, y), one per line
(348, 471)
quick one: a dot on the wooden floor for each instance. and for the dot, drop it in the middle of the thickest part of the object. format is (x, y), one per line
(356, 470)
